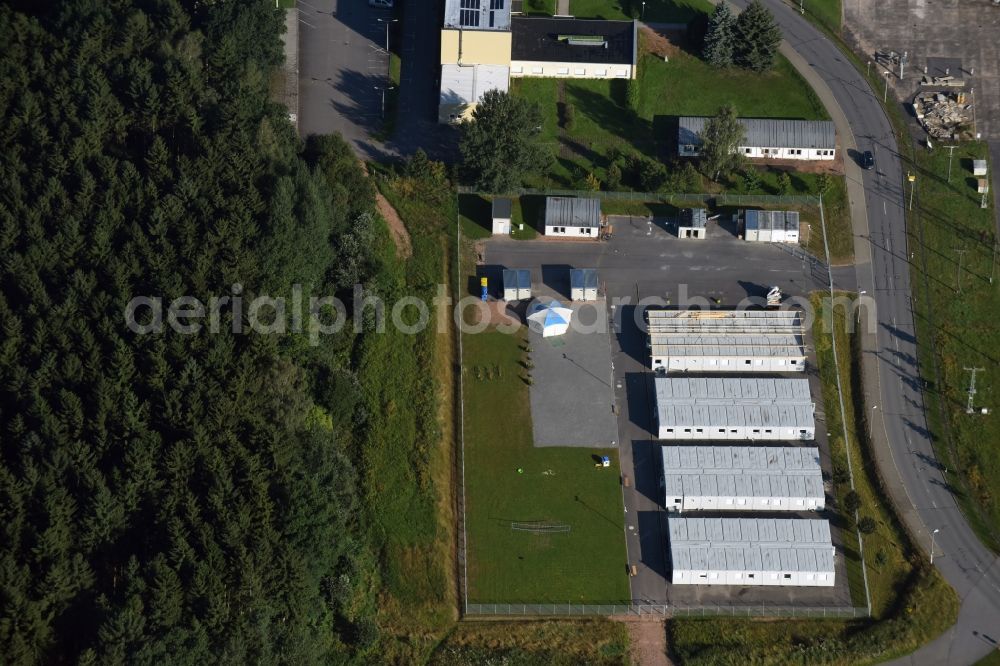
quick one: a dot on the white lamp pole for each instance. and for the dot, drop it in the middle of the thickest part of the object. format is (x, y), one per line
(932, 544)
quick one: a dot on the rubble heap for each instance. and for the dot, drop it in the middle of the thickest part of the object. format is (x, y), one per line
(943, 115)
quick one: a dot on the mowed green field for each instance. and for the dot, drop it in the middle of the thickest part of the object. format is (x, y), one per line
(957, 305)
(662, 11)
(557, 486)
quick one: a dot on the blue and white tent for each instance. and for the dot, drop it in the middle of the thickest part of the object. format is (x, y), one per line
(549, 318)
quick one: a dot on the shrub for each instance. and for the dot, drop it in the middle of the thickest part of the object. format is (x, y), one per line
(613, 180)
(852, 502)
(867, 525)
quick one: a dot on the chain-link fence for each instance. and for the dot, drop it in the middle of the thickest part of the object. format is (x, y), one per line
(677, 199)
(667, 610)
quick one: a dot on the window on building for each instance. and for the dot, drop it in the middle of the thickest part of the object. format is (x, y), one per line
(469, 17)
(516, 70)
(562, 71)
(492, 24)
(747, 150)
(537, 70)
(747, 362)
(750, 575)
(699, 430)
(794, 362)
(788, 576)
(756, 431)
(687, 429)
(600, 72)
(496, 4)
(580, 71)
(688, 148)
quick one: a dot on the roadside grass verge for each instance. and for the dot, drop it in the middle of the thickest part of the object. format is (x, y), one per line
(827, 13)
(531, 643)
(656, 11)
(955, 309)
(911, 603)
(508, 480)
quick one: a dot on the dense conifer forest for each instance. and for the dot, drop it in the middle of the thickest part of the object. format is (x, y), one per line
(173, 498)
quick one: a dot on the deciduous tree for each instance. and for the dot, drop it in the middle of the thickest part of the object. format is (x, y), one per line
(720, 139)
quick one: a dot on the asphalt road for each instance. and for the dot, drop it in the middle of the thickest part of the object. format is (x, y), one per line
(893, 385)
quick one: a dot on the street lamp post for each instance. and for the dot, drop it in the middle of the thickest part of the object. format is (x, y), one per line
(885, 95)
(643, 10)
(387, 22)
(913, 186)
(932, 544)
(383, 89)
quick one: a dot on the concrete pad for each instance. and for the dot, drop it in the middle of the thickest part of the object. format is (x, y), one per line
(571, 398)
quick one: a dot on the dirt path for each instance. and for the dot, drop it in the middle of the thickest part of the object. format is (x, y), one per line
(400, 236)
(648, 640)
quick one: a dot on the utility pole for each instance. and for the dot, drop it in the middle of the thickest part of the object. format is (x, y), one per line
(969, 407)
(958, 272)
(951, 152)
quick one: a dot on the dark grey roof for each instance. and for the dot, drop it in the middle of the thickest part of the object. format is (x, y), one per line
(572, 212)
(694, 217)
(787, 220)
(517, 278)
(767, 132)
(550, 40)
(501, 208)
(583, 278)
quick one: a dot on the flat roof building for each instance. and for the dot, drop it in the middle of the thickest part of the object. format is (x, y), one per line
(771, 226)
(583, 284)
(733, 408)
(573, 48)
(516, 284)
(463, 87)
(730, 341)
(501, 215)
(742, 478)
(574, 217)
(767, 138)
(692, 223)
(751, 551)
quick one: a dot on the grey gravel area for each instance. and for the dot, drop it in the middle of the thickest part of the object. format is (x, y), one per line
(571, 397)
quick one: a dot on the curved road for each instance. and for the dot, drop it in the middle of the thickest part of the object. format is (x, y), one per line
(892, 383)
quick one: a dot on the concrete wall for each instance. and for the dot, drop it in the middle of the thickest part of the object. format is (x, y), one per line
(764, 578)
(760, 152)
(569, 70)
(706, 503)
(572, 232)
(714, 364)
(478, 47)
(734, 433)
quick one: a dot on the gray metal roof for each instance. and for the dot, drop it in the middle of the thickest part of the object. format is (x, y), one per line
(694, 217)
(727, 346)
(787, 220)
(725, 322)
(742, 471)
(766, 132)
(572, 212)
(583, 278)
(751, 544)
(517, 278)
(501, 208)
(756, 402)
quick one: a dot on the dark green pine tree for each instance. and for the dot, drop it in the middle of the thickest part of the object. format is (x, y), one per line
(757, 38)
(720, 37)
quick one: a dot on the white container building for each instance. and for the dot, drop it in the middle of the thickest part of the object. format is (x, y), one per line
(517, 284)
(768, 138)
(734, 409)
(572, 217)
(742, 478)
(730, 341)
(583, 284)
(771, 226)
(501, 215)
(751, 551)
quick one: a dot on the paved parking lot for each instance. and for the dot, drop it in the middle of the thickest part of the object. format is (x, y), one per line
(647, 259)
(343, 61)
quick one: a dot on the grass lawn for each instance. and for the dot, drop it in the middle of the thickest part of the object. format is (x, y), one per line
(568, 642)
(558, 485)
(956, 309)
(476, 216)
(825, 12)
(656, 11)
(683, 86)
